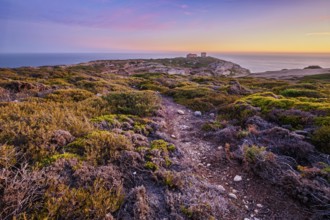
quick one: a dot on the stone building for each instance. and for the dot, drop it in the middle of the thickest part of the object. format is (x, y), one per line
(191, 55)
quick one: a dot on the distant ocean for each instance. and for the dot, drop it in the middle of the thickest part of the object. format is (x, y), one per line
(254, 62)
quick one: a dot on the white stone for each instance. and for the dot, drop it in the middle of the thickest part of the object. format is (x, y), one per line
(180, 112)
(220, 187)
(234, 191)
(134, 173)
(232, 195)
(208, 165)
(198, 113)
(173, 136)
(259, 206)
(237, 178)
(212, 115)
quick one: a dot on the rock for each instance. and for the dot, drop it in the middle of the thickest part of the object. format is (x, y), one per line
(180, 112)
(259, 206)
(198, 113)
(208, 165)
(220, 187)
(237, 178)
(98, 94)
(212, 115)
(61, 138)
(173, 136)
(234, 191)
(232, 195)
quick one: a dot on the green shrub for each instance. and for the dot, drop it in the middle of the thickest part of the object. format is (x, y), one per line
(211, 126)
(322, 121)
(141, 103)
(321, 139)
(162, 145)
(49, 160)
(253, 153)
(29, 126)
(90, 202)
(151, 166)
(67, 95)
(301, 93)
(100, 147)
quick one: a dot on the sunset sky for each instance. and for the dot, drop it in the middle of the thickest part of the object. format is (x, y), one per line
(165, 25)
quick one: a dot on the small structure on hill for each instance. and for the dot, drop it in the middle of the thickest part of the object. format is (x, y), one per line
(191, 55)
(203, 54)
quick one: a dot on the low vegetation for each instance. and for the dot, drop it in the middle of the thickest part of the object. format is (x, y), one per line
(81, 142)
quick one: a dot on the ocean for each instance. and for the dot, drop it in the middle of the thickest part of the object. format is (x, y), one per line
(253, 62)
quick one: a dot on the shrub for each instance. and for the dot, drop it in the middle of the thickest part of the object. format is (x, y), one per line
(296, 118)
(29, 126)
(49, 160)
(162, 145)
(91, 202)
(7, 156)
(253, 153)
(142, 103)
(301, 93)
(151, 166)
(100, 147)
(172, 180)
(321, 139)
(67, 95)
(322, 121)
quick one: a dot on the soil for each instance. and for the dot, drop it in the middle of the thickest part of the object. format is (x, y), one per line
(204, 158)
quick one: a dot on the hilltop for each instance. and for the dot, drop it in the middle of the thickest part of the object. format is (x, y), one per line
(202, 66)
(162, 139)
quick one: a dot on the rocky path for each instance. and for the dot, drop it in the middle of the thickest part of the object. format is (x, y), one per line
(250, 197)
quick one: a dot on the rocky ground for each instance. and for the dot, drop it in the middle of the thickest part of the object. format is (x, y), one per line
(248, 196)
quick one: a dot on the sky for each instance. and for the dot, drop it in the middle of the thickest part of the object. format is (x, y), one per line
(35, 26)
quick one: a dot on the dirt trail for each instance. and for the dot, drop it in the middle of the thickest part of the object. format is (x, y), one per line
(255, 198)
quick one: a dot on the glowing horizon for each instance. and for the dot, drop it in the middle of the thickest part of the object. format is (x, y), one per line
(255, 26)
